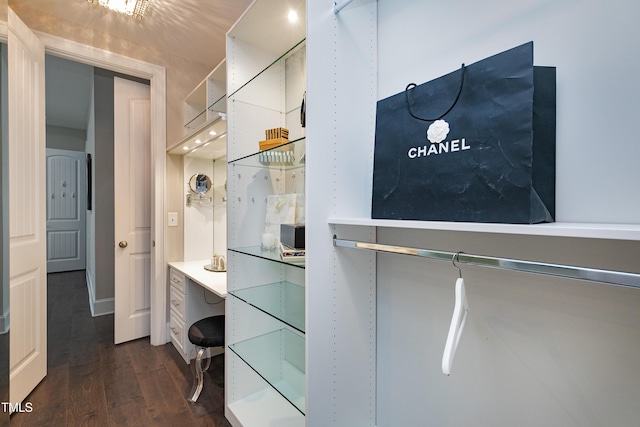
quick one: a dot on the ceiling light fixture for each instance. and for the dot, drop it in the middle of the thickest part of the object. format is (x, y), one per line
(133, 8)
(293, 16)
(197, 141)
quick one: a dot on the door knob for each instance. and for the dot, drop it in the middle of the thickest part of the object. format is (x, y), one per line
(123, 244)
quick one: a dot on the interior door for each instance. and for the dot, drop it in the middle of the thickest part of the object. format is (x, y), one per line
(66, 204)
(132, 159)
(27, 204)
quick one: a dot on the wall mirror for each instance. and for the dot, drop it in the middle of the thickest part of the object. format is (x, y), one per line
(200, 183)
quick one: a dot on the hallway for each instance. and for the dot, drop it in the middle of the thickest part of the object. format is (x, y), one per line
(90, 381)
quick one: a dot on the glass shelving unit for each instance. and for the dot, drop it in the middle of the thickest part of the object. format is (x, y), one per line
(288, 156)
(281, 300)
(278, 357)
(265, 373)
(273, 255)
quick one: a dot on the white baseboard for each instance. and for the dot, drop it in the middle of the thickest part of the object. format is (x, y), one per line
(99, 307)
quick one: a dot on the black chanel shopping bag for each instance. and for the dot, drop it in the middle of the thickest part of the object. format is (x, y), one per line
(475, 145)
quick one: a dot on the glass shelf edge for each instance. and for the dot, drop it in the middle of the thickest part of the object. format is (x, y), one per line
(210, 106)
(291, 143)
(258, 307)
(285, 55)
(238, 352)
(197, 116)
(605, 231)
(255, 251)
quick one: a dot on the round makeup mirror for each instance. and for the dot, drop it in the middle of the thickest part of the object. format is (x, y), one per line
(200, 183)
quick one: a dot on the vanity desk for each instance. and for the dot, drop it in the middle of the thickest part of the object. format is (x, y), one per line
(194, 293)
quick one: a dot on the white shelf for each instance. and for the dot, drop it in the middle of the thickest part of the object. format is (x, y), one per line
(556, 229)
(210, 147)
(264, 408)
(207, 100)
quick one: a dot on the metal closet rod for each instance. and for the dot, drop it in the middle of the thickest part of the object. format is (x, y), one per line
(611, 277)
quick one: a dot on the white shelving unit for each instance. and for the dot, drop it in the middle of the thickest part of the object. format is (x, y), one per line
(535, 350)
(265, 360)
(207, 101)
(205, 113)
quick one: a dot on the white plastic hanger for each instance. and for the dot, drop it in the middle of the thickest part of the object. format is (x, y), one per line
(460, 310)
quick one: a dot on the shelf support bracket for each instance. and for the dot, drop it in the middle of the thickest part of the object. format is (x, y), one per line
(338, 7)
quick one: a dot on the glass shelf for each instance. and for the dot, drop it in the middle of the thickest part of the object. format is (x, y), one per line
(278, 357)
(289, 156)
(219, 106)
(257, 251)
(260, 74)
(197, 121)
(282, 300)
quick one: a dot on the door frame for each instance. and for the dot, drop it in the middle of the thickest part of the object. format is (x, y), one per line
(156, 75)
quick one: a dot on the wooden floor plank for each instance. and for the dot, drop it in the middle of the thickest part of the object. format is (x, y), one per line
(132, 413)
(121, 384)
(91, 381)
(165, 403)
(144, 357)
(87, 404)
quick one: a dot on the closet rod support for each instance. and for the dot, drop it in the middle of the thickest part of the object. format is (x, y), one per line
(610, 277)
(338, 7)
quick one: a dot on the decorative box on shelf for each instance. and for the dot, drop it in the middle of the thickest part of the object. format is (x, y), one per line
(276, 133)
(274, 138)
(272, 143)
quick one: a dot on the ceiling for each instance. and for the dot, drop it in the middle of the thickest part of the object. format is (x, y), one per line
(190, 28)
(68, 92)
(187, 28)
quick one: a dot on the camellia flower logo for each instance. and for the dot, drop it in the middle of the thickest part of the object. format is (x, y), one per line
(437, 131)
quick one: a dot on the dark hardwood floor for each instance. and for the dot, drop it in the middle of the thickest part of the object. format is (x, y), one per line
(92, 382)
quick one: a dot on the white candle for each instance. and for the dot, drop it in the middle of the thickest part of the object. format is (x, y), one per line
(267, 240)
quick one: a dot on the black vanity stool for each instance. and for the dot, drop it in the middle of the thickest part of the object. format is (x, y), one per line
(204, 334)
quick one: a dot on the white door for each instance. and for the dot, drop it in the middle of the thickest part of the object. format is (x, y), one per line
(27, 204)
(132, 159)
(66, 204)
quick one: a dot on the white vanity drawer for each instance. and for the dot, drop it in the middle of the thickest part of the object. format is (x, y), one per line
(176, 331)
(176, 301)
(177, 280)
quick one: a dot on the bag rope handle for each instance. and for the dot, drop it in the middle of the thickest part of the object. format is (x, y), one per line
(412, 85)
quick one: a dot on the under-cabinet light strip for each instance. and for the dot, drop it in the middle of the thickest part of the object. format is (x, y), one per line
(611, 277)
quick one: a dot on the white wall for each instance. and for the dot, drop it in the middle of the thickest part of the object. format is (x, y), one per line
(90, 148)
(103, 190)
(594, 47)
(65, 138)
(198, 218)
